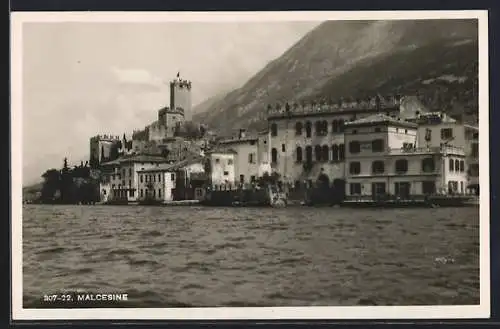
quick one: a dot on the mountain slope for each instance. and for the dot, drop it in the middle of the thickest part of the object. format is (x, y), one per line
(434, 59)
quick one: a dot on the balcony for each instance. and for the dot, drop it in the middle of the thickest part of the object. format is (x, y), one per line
(428, 150)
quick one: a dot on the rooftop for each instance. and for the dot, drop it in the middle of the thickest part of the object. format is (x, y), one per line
(378, 119)
(377, 103)
(175, 166)
(136, 158)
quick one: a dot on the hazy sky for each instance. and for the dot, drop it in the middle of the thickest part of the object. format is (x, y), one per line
(82, 79)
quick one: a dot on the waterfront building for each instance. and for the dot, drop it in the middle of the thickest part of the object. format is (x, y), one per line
(119, 178)
(307, 139)
(383, 157)
(437, 128)
(246, 156)
(220, 167)
(168, 182)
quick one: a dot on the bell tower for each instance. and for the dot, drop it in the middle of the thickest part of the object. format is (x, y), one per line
(180, 97)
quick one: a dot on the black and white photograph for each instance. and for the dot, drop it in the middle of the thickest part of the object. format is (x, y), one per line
(278, 165)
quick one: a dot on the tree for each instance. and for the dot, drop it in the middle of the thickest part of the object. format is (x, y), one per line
(52, 178)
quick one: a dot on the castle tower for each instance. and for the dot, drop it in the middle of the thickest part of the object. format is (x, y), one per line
(180, 96)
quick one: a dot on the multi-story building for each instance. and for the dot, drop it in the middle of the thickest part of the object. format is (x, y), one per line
(383, 157)
(159, 183)
(308, 139)
(120, 177)
(437, 128)
(246, 156)
(220, 167)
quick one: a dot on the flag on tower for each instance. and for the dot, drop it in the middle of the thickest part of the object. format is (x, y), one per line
(178, 74)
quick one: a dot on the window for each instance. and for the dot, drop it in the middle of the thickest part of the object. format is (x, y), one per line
(159, 177)
(378, 189)
(123, 183)
(335, 126)
(446, 133)
(354, 132)
(335, 152)
(217, 160)
(317, 152)
(172, 177)
(475, 150)
(402, 189)
(283, 149)
(229, 162)
(242, 179)
(159, 193)
(129, 182)
(142, 193)
(341, 152)
(451, 164)
(226, 173)
(325, 153)
(354, 147)
(154, 177)
(298, 128)
(119, 177)
(308, 129)
(104, 192)
(130, 171)
(252, 179)
(354, 168)
(428, 165)
(377, 129)
(401, 166)
(406, 131)
(274, 155)
(274, 129)
(378, 167)
(378, 145)
(318, 128)
(299, 154)
(309, 154)
(132, 193)
(154, 193)
(341, 125)
(140, 178)
(123, 172)
(457, 165)
(250, 158)
(428, 187)
(428, 134)
(355, 188)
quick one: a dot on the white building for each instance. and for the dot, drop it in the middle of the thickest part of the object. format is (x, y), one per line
(159, 183)
(383, 158)
(221, 167)
(120, 177)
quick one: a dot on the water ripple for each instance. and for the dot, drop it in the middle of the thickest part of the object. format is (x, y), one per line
(195, 256)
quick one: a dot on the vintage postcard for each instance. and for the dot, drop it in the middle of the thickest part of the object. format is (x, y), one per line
(250, 165)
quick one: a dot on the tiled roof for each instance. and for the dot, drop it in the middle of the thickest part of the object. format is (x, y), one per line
(379, 118)
(175, 166)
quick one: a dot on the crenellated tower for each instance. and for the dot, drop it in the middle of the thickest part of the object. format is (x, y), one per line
(180, 96)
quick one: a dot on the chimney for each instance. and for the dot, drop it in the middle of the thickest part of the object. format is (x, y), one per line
(241, 134)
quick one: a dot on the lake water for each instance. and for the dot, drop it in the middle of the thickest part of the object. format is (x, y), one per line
(301, 256)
